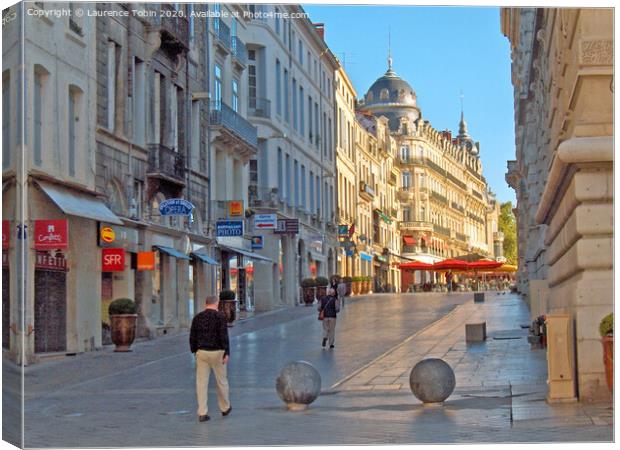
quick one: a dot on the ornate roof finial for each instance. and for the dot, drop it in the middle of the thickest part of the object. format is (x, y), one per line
(462, 124)
(390, 71)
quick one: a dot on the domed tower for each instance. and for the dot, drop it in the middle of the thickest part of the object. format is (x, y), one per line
(472, 147)
(392, 97)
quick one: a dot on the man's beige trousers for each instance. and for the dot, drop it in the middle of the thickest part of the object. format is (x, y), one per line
(205, 362)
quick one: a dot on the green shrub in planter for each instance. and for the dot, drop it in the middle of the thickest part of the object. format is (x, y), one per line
(122, 306)
(308, 283)
(607, 325)
(348, 279)
(227, 294)
(321, 281)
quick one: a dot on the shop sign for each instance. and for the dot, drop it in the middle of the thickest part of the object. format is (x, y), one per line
(235, 208)
(343, 230)
(349, 252)
(347, 244)
(365, 256)
(145, 261)
(45, 261)
(229, 228)
(287, 226)
(265, 221)
(176, 207)
(115, 236)
(257, 242)
(113, 260)
(51, 234)
(6, 233)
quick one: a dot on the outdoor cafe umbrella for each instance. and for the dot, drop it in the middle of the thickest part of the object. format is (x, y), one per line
(450, 264)
(416, 265)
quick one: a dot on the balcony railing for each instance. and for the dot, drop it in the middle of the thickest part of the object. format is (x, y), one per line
(175, 28)
(441, 230)
(456, 181)
(475, 218)
(461, 237)
(476, 194)
(416, 225)
(225, 116)
(458, 207)
(238, 51)
(222, 34)
(438, 197)
(166, 162)
(259, 107)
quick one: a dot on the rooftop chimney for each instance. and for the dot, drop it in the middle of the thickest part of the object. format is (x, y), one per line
(320, 28)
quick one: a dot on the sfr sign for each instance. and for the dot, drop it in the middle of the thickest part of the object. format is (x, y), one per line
(112, 259)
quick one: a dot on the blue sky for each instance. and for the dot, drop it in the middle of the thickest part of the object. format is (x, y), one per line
(440, 51)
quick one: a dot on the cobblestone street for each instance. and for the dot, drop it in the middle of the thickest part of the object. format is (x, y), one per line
(147, 398)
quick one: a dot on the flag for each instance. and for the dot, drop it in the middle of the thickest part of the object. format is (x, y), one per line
(351, 230)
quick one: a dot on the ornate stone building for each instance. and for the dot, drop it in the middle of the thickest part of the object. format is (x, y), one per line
(446, 206)
(562, 72)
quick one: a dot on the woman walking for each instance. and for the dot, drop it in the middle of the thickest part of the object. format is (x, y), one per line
(330, 307)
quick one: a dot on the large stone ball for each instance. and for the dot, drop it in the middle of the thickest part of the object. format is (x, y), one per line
(298, 385)
(432, 380)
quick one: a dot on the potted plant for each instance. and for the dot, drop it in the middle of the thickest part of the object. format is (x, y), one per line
(367, 281)
(228, 305)
(606, 329)
(308, 288)
(356, 285)
(321, 286)
(348, 281)
(123, 318)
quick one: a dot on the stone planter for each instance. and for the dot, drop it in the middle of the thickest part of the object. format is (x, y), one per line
(123, 331)
(366, 288)
(321, 291)
(349, 288)
(309, 294)
(229, 308)
(608, 359)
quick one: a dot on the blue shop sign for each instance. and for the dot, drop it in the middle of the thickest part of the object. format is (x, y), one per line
(229, 228)
(365, 256)
(176, 207)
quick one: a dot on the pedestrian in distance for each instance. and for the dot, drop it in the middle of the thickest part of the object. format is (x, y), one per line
(329, 306)
(341, 290)
(208, 341)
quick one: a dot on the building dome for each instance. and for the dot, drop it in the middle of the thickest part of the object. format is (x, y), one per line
(392, 97)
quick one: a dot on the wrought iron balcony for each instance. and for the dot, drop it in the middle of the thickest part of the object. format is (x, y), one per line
(259, 107)
(222, 35)
(476, 194)
(226, 117)
(458, 207)
(239, 52)
(174, 29)
(461, 237)
(165, 163)
(441, 230)
(438, 197)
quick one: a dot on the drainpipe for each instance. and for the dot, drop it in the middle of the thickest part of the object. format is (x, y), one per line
(208, 127)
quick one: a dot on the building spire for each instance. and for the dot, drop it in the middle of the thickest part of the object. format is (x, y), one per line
(462, 124)
(390, 71)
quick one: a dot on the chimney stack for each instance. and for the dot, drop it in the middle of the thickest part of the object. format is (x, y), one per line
(320, 28)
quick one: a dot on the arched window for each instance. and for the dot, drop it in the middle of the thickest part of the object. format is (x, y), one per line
(384, 94)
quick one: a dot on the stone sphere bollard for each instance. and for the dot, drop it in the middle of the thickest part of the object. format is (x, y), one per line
(432, 380)
(298, 385)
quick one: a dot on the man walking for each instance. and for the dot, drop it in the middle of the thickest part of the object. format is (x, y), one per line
(341, 289)
(208, 340)
(330, 306)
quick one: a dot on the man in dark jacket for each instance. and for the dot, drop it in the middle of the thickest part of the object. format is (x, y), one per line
(330, 305)
(208, 340)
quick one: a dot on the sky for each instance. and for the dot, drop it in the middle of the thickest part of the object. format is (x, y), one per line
(441, 52)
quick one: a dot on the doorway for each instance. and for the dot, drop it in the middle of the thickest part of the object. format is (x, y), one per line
(50, 311)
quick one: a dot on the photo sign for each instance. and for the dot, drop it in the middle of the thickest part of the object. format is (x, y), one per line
(229, 228)
(176, 207)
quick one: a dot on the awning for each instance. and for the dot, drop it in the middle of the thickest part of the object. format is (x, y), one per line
(204, 258)
(75, 203)
(409, 240)
(171, 252)
(247, 253)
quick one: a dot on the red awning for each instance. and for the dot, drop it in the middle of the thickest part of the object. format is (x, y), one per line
(450, 264)
(416, 265)
(484, 264)
(409, 240)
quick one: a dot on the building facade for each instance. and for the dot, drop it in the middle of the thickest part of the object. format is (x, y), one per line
(562, 72)
(290, 99)
(446, 206)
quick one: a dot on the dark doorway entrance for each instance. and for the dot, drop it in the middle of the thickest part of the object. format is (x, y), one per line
(50, 311)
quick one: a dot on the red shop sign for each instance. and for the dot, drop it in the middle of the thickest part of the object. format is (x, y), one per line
(47, 261)
(51, 234)
(112, 259)
(6, 233)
